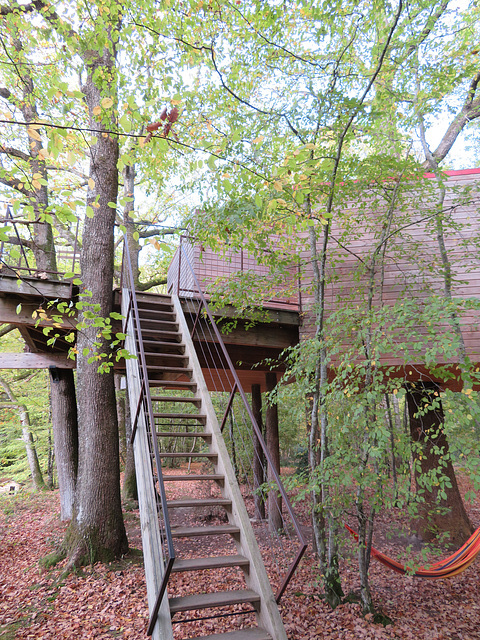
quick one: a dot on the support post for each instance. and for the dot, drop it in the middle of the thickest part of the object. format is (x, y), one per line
(259, 456)
(273, 445)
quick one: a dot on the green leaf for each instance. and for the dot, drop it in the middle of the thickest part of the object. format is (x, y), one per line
(89, 212)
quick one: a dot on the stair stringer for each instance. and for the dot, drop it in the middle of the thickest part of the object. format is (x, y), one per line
(268, 615)
(150, 528)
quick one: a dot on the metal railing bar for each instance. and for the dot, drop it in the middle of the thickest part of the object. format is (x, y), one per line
(152, 437)
(255, 426)
(137, 413)
(161, 593)
(229, 406)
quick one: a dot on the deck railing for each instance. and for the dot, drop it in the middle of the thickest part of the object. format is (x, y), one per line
(144, 413)
(214, 269)
(286, 543)
(18, 257)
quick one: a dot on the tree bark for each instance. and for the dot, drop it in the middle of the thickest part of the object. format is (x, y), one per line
(258, 455)
(275, 521)
(65, 436)
(437, 514)
(97, 530)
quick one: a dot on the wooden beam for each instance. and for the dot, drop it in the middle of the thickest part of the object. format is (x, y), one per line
(277, 316)
(9, 315)
(35, 287)
(35, 361)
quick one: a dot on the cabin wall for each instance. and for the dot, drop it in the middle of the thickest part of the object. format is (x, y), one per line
(406, 269)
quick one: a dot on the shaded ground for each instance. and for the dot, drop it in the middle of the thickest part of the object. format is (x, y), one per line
(109, 601)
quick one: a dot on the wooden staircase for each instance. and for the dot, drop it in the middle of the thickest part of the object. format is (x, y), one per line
(208, 522)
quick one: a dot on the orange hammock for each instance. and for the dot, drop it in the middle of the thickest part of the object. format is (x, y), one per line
(447, 568)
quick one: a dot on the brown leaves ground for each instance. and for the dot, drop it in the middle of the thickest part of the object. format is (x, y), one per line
(109, 601)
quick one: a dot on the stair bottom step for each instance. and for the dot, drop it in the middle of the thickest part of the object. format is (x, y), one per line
(242, 634)
(210, 600)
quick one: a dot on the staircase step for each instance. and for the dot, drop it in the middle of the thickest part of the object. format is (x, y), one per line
(195, 476)
(153, 299)
(176, 454)
(242, 634)
(160, 369)
(159, 325)
(217, 562)
(176, 357)
(186, 385)
(194, 532)
(184, 434)
(201, 418)
(148, 342)
(180, 399)
(201, 502)
(159, 313)
(217, 599)
(173, 337)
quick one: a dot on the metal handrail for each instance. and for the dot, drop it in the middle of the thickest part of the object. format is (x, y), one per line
(128, 283)
(239, 389)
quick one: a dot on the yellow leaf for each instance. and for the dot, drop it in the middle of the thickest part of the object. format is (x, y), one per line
(43, 153)
(33, 134)
(107, 103)
(37, 176)
(258, 140)
(96, 110)
(277, 186)
(36, 184)
(91, 183)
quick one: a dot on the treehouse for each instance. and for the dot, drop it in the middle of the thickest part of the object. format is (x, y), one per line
(402, 280)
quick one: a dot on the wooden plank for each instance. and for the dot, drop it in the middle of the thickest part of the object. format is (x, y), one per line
(217, 562)
(194, 532)
(8, 313)
(216, 599)
(200, 502)
(35, 287)
(35, 361)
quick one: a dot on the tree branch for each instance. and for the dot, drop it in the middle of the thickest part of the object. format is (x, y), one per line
(16, 153)
(469, 111)
(148, 233)
(143, 286)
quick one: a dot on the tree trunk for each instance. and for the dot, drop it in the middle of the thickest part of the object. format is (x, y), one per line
(259, 456)
(97, 530)
(438, 514)
(65, 436)
(27, 437)
(275, 521)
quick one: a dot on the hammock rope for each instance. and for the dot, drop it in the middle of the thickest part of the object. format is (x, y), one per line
(451, 566)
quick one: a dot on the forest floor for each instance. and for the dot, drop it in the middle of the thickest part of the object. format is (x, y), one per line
(109, 600)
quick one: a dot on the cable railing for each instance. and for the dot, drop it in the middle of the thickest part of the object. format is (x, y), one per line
(143, 408)
(17, 256)
(279, 533)
(213, 269)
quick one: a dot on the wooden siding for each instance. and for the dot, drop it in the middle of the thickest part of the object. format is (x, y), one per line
(211, 269)
(410, 270)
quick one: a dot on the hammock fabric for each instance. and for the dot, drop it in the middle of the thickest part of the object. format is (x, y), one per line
(451, 566)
